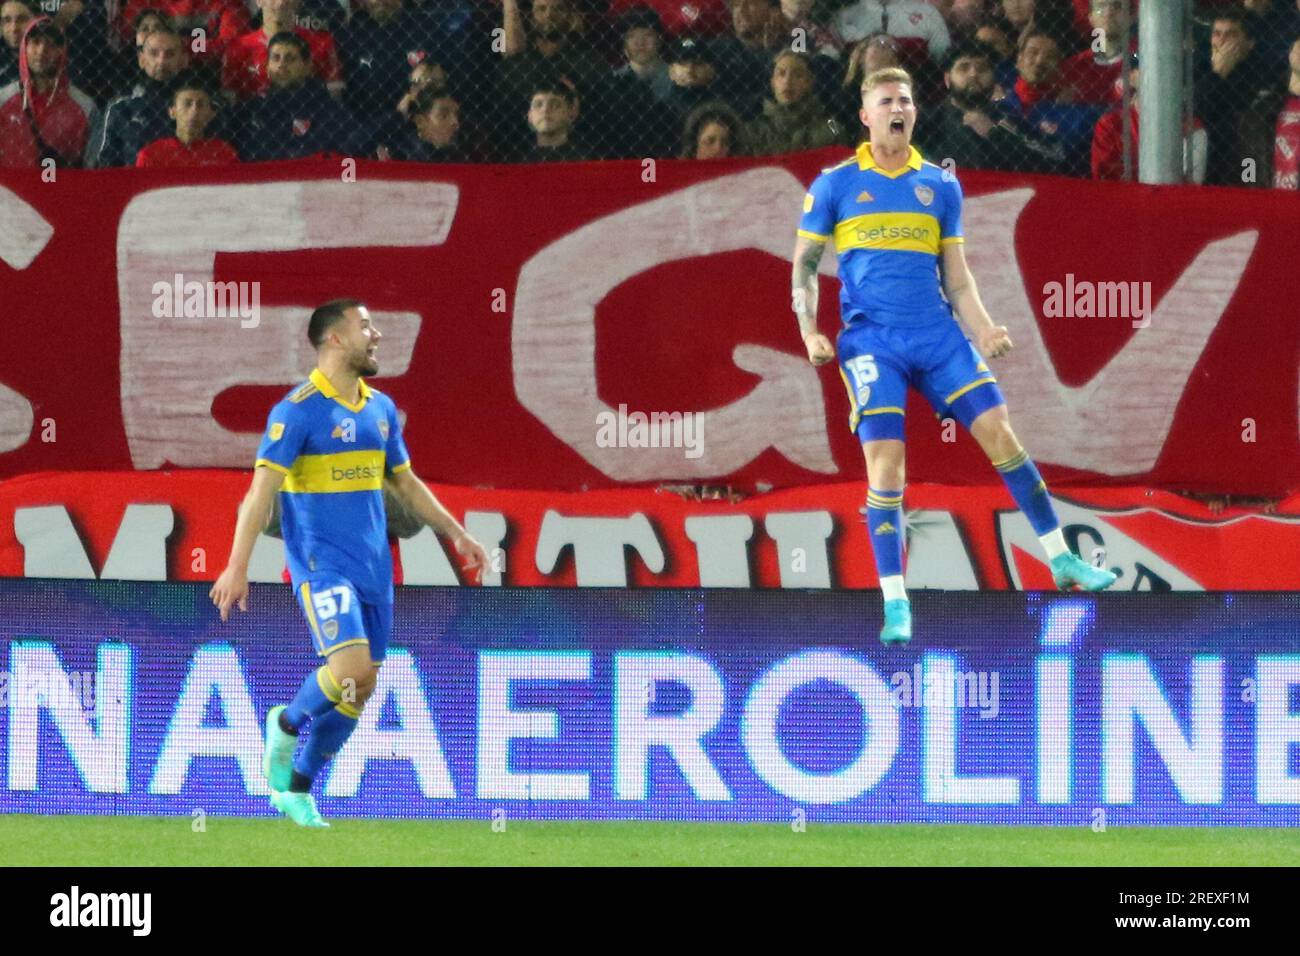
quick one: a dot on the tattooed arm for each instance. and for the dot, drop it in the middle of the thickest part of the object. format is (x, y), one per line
(803, 294)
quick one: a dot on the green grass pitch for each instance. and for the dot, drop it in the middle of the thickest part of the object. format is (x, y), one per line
(172, 841)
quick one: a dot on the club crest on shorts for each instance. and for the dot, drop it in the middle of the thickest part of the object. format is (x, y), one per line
(330, 629)
(924, 194)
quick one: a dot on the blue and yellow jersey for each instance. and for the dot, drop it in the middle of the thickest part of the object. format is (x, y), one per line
(334, 456)
(888, 228)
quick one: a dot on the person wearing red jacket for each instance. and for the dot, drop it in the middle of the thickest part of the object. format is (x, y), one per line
(1094, 74)
(1108, 140)
(243, 70)
(42, 115)
(192, 111)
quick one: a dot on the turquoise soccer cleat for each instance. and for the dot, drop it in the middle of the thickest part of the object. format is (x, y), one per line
(298, 807)
(898, 622)
(277, 753)
(1069, 571)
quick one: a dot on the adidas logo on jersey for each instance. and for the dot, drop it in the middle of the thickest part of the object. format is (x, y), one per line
(865, 196)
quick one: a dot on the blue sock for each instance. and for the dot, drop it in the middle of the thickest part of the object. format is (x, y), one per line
(328, 733)
(319, 692)
(885, 524)
(1028, 488)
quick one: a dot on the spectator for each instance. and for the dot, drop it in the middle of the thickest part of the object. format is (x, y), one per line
(296, 117)
(1224, 90)
(378, 47)
(1054, 16)
(550, 45)
(793, 119)
(975, 132)
(425, 75)
(44, 117)
(1019, 14)
(915, 22)
(552, 115)
(14, 17)
(1286, 138)
(713, 131)
(1108, 140)
(741, 56)
(679, 17)
(1041, 97)
(1270, 131)
(141, 115)
(192, 110)
(961, 15)
(999, 36)
(642, 38)
(221, 21)
(126, 67)
(550, 50)
(1274, 23)
(693, 75)
(433, 136)
(390, 131)
(85, 26)
(877, 52)
(1094, 74)
(817, 36)
(244, 66)
(639, 88)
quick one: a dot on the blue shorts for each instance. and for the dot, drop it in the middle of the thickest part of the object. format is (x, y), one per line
(337, 618)
(878, 363)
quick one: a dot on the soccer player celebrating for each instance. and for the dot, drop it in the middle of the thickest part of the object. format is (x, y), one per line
(895, 217)
(328, 446)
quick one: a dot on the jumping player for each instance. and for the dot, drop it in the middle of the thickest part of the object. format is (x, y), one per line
(894, 218)
(328, 447)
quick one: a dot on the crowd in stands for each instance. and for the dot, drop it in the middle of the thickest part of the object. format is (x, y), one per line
(1018, 85)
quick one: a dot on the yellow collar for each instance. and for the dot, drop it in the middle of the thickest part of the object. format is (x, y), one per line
(867, 161)
(329, 391)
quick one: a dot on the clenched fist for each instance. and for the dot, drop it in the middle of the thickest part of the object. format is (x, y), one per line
(994, 342)
(820, 349)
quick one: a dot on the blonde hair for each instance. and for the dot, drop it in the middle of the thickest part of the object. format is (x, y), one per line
(890, 74)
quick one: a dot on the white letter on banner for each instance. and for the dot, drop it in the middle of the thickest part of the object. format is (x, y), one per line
(167, 394)
(939, 717)
(52, 548)
(415, 740)
(1129, 690)
(38, 681)
(1054, 713)
(636, 730)
(553, 336)
(215, 669)
(879, 745)
(1277, 730)
(721, 549)
(599, 556)
(499, 724)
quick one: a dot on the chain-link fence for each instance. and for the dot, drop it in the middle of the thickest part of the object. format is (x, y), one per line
(1023, 85)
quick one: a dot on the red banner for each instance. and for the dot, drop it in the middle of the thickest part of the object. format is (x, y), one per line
(537, 320)
(178, 526)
